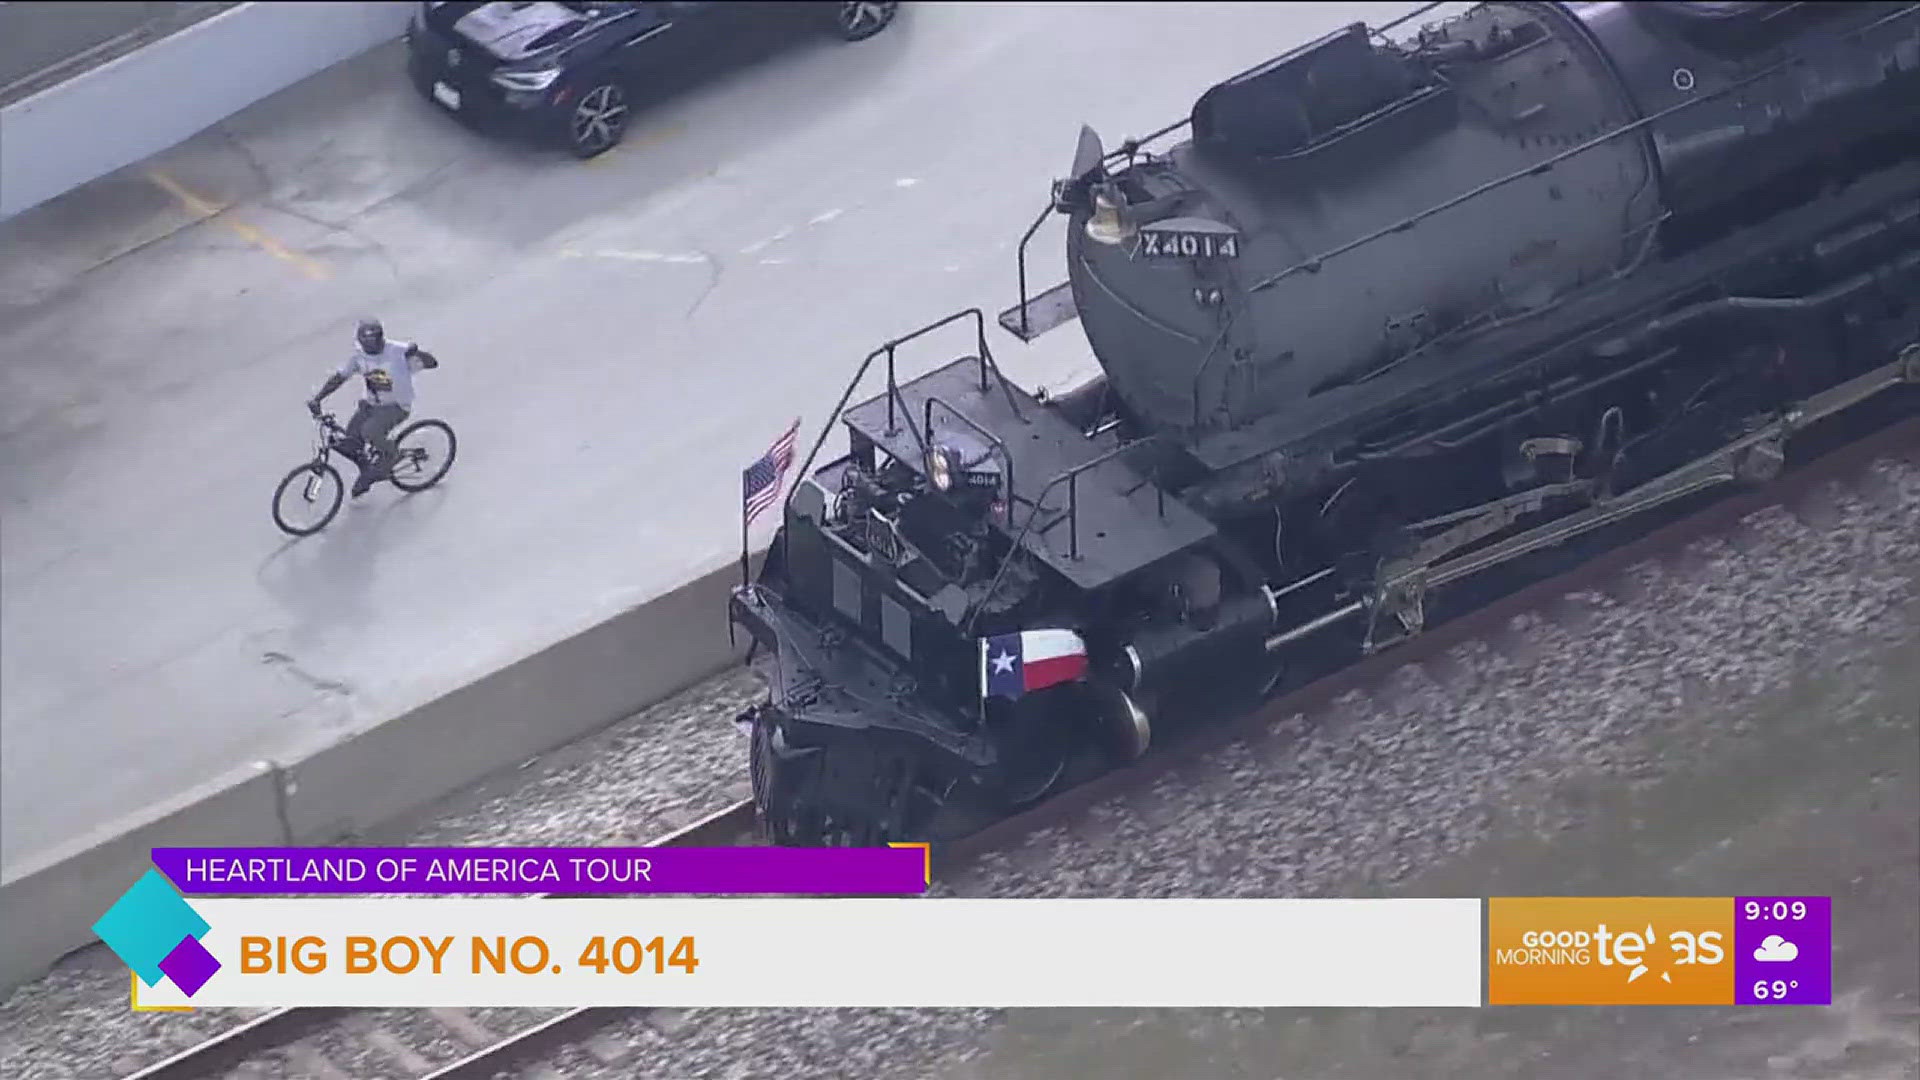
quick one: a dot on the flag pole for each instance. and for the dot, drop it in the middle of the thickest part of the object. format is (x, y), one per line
(745, 579)
(983, 684)
(778, 458)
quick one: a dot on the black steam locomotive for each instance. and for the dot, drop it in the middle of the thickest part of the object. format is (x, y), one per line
(1396, 312)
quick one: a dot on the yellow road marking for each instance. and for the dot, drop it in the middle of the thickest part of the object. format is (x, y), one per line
(256, 237)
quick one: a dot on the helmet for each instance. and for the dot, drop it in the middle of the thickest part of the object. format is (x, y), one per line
(371, 335)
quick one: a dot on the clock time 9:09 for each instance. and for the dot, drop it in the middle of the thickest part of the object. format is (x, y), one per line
(629, 955)
(1778, 911)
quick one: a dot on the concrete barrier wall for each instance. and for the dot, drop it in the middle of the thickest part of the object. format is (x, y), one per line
(140, 104)
(587, 682)
(545, 701)
(49, 909)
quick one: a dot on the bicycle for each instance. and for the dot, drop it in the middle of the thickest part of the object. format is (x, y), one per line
(410, 472)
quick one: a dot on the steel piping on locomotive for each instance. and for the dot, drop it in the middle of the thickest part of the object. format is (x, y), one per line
(1390, 315)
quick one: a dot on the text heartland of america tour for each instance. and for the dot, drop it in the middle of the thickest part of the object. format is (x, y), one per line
(438, 870)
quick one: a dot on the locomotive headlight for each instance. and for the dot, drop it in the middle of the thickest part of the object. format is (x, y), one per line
(1106, 225)
(940, 468)
(959, 469)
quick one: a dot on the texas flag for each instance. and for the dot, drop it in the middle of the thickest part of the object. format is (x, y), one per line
(1015, 664)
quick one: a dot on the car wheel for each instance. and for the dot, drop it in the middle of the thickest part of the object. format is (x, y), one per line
(858, 20)
(598, 121)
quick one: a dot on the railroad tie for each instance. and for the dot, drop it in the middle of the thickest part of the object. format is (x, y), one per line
(465, 1028)
(609, 1049)
(667, 1022)
(389, 1044)
(308, 1061)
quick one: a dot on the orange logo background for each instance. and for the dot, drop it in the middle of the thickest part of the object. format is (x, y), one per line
(1552, 950)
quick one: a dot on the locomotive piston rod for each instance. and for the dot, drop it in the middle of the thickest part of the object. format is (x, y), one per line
(1754, 458)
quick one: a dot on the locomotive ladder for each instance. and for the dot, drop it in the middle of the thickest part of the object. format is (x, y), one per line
(896, 404)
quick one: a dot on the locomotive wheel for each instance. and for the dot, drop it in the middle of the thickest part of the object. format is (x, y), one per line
(1039, 740)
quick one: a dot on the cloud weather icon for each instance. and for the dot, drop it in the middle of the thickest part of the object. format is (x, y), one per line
(1776, 949)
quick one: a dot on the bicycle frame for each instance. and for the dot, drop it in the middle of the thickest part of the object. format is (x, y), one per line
(327, 430)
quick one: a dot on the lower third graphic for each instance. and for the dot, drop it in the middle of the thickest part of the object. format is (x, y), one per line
(154, 931)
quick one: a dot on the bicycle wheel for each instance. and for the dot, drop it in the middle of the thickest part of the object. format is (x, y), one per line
(308, 484)
(417, 464)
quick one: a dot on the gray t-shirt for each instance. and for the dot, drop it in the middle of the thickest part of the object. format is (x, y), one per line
(386, 375)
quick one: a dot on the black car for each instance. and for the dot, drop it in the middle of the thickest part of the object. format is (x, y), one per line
(566, 71)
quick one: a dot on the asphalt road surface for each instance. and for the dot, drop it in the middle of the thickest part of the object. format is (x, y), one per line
(618, 340)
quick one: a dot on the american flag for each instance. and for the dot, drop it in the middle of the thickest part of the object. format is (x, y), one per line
(760, 481)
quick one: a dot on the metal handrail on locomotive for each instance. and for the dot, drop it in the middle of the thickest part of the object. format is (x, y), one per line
(1394, 313)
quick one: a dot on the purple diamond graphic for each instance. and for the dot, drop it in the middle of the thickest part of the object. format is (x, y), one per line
(190, 965)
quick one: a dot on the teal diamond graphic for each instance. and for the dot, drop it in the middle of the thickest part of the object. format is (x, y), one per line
(147, 923)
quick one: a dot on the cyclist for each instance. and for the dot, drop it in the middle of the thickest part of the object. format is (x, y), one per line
(386, 369)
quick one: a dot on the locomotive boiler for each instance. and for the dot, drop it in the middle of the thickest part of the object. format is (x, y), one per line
(1393, 313)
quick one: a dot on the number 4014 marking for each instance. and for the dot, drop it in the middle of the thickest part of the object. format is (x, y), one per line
(628, 955)
(1189, 245)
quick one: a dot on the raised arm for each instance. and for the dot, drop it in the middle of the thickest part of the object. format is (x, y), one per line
(420, 358)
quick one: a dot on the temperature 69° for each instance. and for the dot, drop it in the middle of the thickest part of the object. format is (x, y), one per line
(1774, 989)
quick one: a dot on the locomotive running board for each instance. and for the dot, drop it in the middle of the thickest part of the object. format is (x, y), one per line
(1757, 457)
(1050, 310)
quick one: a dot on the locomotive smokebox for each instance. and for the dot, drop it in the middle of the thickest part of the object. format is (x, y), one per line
(1228, 279)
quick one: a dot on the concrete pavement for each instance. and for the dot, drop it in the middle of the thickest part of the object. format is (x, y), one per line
(618, 339)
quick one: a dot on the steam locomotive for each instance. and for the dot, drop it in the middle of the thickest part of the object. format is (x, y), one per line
(1394, 313)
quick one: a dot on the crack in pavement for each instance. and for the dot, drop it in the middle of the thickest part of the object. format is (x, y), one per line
(270, 200)
(325, 686)
(714, 271)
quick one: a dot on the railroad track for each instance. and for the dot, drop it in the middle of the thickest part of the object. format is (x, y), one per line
(525, 1052)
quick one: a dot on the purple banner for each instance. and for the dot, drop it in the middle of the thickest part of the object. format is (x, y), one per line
(519, 871)
(1782, 950)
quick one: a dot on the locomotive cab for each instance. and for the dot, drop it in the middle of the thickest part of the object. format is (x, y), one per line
(966, 510)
